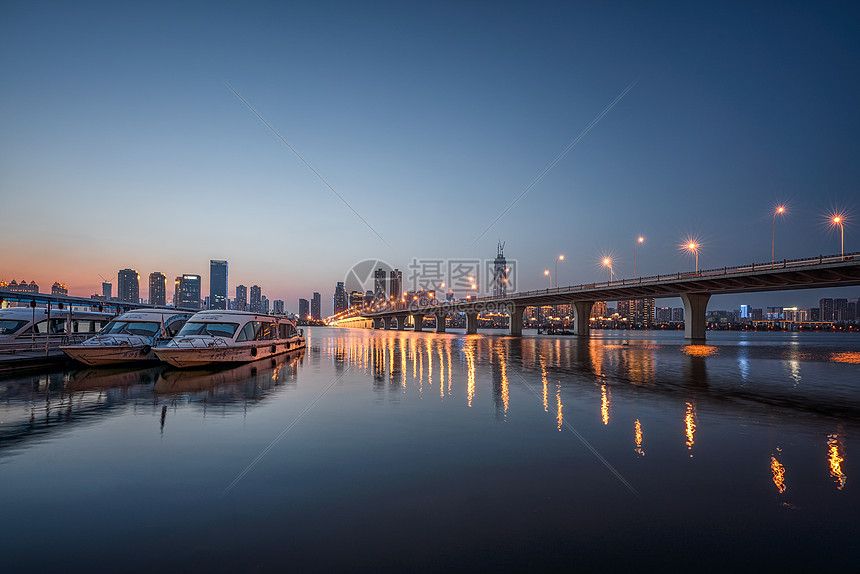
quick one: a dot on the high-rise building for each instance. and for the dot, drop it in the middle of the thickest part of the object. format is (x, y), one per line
(304, 309)
(826, 306)
(217, 284)
(59, 289)
(642, 312)
(624, 309)
(840, 309)
(340, 300)
(264, 304)
(241, 301)
(256, 303)
(814, 314)
(107, 290)
(598, 309)
(356, 300)
(368, 298)
(395, 284)
(500, 273)
(157, 289)
(278, 307)
(128, 286)
(315, 307)
(187, 294)
(663, 314)
(379, 278)
(678, 315)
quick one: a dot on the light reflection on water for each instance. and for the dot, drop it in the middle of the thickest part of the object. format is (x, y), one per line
(476, 453)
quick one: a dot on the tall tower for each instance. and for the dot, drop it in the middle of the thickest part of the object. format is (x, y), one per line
(217, 284)
(256, 305)
(241, 302)
(379, 284)
(500, 272)
(188, 296)
(395, 284)
(315, 307)
(340, 298)
(157, 289)
(128, 286)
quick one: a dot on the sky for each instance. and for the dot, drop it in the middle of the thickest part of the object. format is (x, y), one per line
(297, 139)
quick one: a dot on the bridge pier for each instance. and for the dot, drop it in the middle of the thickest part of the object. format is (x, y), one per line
(401, 322)
(581, 317)
(389, 323)
(419, 322)
(695, 308)
(440, 322)
(515, 320)
(471, 323)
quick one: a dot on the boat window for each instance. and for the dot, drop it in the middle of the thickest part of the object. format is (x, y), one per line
(211, 329)
(174, 327)
(41, 328)
(267, 332)
(249, 331)
(287, 331)
(58, 326)
(82, 327)
(145, 329)
(8, 326)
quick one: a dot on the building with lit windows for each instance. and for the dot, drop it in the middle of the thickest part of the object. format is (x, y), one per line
(315, 307)
(395, 284)
(128, 286)
(340, 300)
(217, 284)
(256, 303)
(304, 309)
(187, 294)
(59, 289)
(157, 289)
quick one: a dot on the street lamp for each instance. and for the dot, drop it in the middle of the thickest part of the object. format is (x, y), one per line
(560, 258)
(640, 239)
(838, 219)
(548, 274)
(778, 211)
(694, 247)
(607, 262)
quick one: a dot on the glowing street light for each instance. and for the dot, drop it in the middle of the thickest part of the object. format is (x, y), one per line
(560, 258)
(607, 262)
(839, 219)
(639, 239)
(547, 273)
(780, 209)
(694, 247)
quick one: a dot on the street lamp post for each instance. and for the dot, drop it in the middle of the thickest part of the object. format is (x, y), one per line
(640, 239)
(778, 211)
(694, 247)
(560, 258)
(608, 263)
(838, 220)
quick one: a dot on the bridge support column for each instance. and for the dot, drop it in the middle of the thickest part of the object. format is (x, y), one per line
(695, 307)
(389, 323)
(471, 323)
(378, 323)
(581, 317)
(401, 322)
(440, 322)
(419, 322)
(515, 320)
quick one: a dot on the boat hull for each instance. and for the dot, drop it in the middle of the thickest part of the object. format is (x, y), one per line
(185, 357)
(110, 355)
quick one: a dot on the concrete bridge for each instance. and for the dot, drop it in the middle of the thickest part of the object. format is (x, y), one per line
(694, 289)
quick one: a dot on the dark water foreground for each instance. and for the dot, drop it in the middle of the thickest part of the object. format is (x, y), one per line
(393, 451)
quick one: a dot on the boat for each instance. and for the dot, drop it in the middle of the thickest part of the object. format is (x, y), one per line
(130, 337)
(33, 329)
(215, 336)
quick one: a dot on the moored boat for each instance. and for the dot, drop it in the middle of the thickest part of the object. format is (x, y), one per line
(230, 337)
(130, 337)
(28, 328)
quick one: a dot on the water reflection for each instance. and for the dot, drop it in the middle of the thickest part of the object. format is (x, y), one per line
(835, 459)
(690, 426)
(778, 471)
(604, 404)
(637, 437)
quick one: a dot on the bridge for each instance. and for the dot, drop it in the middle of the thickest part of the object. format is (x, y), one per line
(694, 289)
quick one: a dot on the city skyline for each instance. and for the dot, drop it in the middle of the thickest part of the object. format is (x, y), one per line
(560, 130)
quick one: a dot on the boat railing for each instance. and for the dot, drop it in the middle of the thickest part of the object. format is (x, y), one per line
(199, 343)
(39, 342)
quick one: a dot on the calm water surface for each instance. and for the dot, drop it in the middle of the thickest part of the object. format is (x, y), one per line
(394, 451)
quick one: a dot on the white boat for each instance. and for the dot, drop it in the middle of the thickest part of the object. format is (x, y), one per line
(230, 337)
(31, 329)
(130, 337)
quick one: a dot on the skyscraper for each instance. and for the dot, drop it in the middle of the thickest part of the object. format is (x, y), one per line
(241, 301)
(128, 286)
(278, 306)
(315, 307)
(59, 289)
(500, 272)
(264, 304)
(256, 304)
(304, 307)
(379, 280)
(340, 299)
(217, 284)
(826, 306)
(395, 284)
(356, 300)
(642, 312)
(107, 290)
(188, 295)
(157, 289)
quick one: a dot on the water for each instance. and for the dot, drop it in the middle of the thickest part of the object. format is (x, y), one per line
(394, 451)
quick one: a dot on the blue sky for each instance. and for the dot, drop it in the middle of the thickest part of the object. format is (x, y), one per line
(121, 144)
